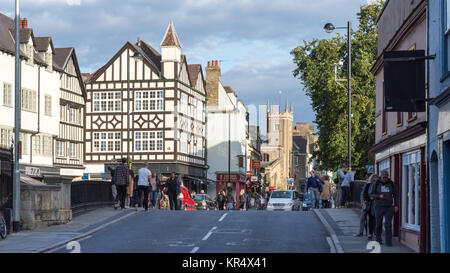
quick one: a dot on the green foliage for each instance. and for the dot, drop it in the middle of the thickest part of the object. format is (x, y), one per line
(315, 68)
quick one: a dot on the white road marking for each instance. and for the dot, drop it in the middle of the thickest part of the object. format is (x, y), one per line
(208, 234)
(194, 249)
(223, 217)
(330, 242)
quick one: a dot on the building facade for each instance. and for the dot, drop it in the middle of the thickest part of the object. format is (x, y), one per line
(303, 145)
(277, 152)
(439, 125)
(40, 96)
(166, 112)
(68, 155)
(400, 139)
(227, 136)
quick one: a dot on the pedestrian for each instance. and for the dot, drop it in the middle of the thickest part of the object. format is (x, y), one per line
(345, 187)
(385, 196)
(122, 180)
(143, 186)
(366, 222)
(154, 189)
(229, 200)
(164, 203)
(113, 187)
(312, 186)
(340, 175)
(325, 195)
(173, 189)
(221, 200)
(242, 199)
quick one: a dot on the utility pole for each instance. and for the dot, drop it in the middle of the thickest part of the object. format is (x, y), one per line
(17, 107)
(349, 94)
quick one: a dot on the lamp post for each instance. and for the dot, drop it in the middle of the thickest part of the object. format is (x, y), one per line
(137, 56)
(329, 27)
(16, 174)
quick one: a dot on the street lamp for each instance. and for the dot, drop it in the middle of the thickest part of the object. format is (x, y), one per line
(137, 56)
(329, 28)
(16, 174)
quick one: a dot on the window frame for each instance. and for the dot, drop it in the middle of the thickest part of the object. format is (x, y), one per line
(411, 183)
(106, 100)
(7, 94)
(48, 105)
(60, 148)
(148, 139)
(157, 100)
(106, 142)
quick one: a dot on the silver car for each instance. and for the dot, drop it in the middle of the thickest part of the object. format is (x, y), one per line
(284, 201)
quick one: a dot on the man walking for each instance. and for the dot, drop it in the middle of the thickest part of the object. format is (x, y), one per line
(121, 180)
(143, 186)
(313, 186)
(339, 179)
(221, 200)
(385, 196)
(345, 187)
(172, 190)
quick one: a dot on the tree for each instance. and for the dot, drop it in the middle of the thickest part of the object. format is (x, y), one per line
(315, 68)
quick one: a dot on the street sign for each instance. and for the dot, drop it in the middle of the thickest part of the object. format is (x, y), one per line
(256, 165)
(32, 171)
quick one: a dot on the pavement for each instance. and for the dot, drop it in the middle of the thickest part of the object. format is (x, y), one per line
(44, 238)
(345, 224)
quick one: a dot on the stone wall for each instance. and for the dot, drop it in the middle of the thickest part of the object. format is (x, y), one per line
(45, 204)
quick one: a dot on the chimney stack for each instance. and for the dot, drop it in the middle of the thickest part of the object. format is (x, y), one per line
(24, 23)
(212, 82)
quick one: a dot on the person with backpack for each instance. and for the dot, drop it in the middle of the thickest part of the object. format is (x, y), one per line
(122, 180)
(340, 175)
(385, 196)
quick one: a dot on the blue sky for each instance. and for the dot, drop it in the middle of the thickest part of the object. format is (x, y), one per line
(253, 38)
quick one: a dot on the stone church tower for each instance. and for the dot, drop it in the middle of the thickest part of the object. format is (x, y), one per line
(279, 148)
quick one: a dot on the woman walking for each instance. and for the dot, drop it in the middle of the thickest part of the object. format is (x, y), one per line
(154, 189)
(325, 195)
(229, 200)
(242, 199)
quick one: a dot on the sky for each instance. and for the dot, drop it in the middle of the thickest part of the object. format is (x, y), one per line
(252, 39)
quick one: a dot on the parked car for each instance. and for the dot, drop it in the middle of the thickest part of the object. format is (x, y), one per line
(284, 201)
(204, 202)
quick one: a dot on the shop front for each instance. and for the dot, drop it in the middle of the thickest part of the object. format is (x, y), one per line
(233, 181)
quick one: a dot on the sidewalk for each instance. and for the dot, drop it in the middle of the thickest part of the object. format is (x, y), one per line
(345, 223)
(39, 239)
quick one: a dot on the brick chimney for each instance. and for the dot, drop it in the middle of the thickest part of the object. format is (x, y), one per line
(24, 23)
(212, 82)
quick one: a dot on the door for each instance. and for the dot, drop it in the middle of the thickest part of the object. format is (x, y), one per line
(446, 156)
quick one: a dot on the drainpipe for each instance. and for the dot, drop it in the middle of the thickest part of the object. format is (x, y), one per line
(39, 115)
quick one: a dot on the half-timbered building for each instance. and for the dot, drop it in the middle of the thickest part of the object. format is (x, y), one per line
(69, 144)
(167, 111)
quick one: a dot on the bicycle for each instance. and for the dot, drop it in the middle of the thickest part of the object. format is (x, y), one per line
(3, 228)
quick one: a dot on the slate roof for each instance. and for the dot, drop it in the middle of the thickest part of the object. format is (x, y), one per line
(62, 55)
(42, 43)
(299, 144)
(170, 37)
(194, 70)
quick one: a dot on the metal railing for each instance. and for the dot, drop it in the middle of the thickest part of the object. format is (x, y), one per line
(89, 195)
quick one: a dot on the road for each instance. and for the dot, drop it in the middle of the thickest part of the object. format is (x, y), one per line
(210, 232)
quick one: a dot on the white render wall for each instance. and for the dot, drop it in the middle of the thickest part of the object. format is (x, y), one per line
(49, 84)
(217, 136)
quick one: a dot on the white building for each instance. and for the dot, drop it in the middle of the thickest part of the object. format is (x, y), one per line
(40, 95)
(227, 121)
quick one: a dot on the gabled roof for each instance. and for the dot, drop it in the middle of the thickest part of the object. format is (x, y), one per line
(62, 56)
(170, 37)
(194, 70)
(42, 43)
(151, 53)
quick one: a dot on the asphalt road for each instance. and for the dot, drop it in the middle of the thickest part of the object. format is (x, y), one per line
(210, 232)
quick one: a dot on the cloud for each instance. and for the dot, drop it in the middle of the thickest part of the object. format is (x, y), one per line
(252, 38)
